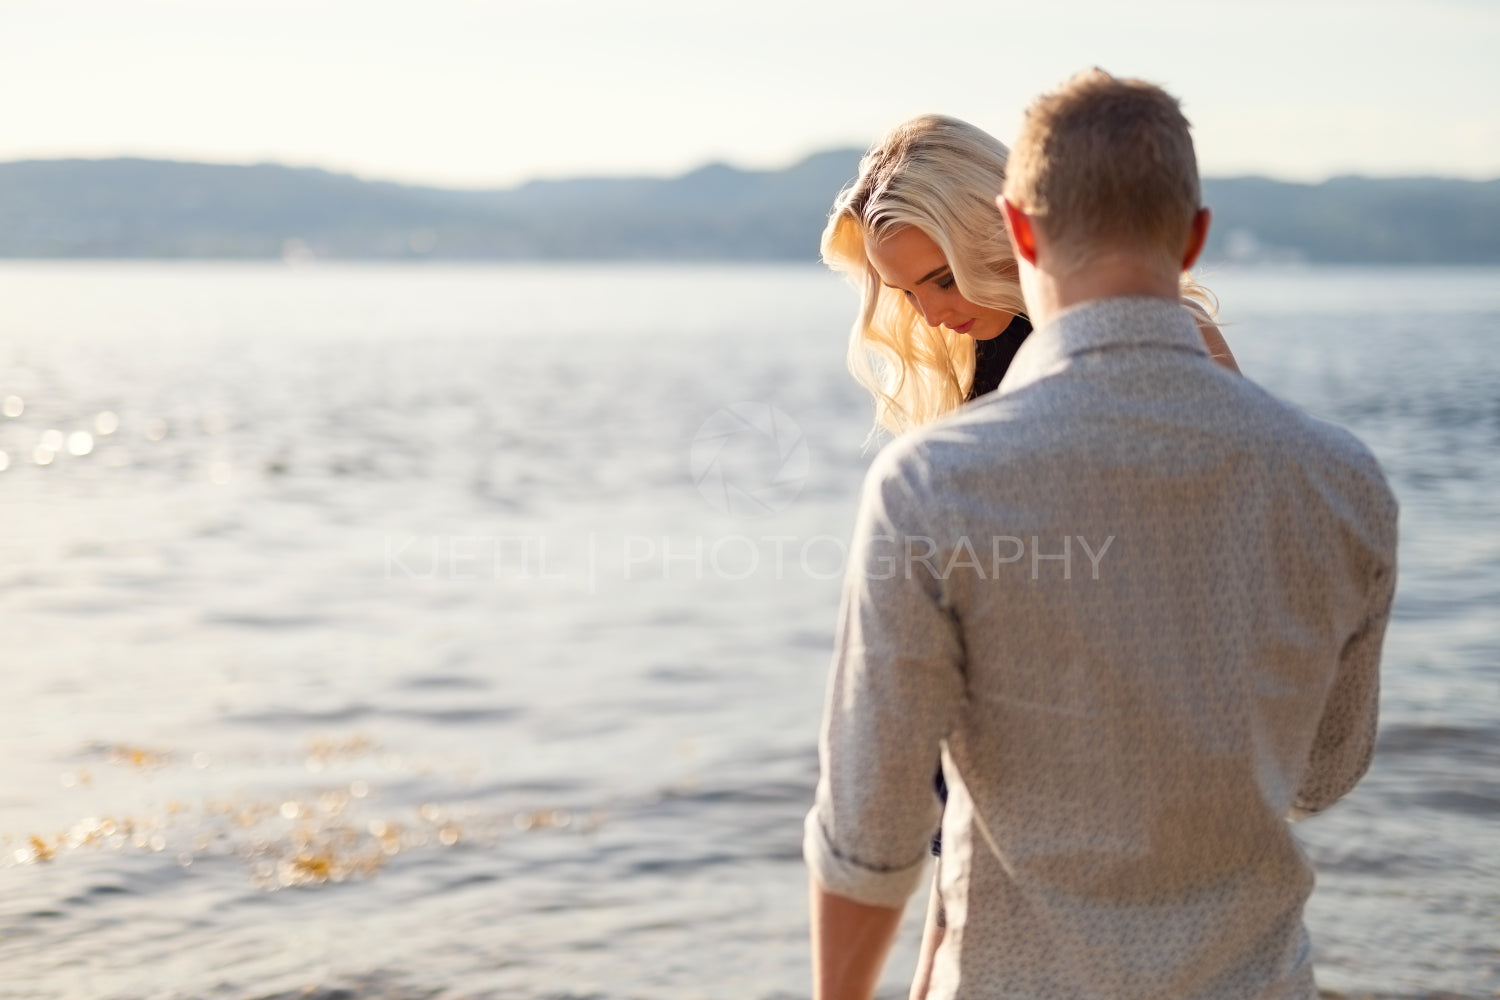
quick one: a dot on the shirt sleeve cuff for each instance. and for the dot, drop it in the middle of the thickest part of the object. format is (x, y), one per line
(846, 877)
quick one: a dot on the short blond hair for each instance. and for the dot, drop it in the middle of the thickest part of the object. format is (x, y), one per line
(1106, 163)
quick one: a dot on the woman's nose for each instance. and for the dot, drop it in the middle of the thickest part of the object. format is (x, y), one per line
(932, 313)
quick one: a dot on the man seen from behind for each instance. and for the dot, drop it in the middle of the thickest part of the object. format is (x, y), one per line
(1134, 604)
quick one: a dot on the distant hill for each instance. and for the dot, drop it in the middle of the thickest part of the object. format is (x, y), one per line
(1425, 220)
(130, 208)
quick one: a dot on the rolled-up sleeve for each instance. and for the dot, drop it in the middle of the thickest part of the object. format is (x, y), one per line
(894, 692)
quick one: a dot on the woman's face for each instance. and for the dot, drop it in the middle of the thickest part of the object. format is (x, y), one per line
(910, 262)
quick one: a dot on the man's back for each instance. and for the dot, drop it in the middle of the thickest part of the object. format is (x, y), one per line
(1143, 611)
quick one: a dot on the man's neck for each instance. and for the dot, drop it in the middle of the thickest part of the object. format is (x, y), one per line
(1104, 276)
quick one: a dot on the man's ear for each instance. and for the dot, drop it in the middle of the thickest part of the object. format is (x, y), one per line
(1197, 236)
(1018, 224)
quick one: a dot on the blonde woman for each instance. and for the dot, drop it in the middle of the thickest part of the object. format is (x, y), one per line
(941, 312)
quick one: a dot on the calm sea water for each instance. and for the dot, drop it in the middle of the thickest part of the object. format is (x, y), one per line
(462, 632)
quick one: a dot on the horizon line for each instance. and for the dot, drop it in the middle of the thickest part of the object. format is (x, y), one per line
(362, 177)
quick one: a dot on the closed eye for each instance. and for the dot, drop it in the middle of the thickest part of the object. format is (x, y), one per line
(945, 282)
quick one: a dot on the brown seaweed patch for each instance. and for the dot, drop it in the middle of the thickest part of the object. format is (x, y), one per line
(139, 758)
(305, 838)
(41, 851)
(326, 855)
(325, 751)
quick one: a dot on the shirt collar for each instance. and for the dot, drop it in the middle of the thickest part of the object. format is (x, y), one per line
(1099, 324)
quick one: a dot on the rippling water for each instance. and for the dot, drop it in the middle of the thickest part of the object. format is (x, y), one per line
(406, 633)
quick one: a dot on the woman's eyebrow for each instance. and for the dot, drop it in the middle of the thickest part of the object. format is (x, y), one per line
(924, 278)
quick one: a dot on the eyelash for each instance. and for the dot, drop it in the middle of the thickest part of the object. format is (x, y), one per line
(947, 282)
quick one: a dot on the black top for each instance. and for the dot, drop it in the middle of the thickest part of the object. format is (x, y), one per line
(992, 357)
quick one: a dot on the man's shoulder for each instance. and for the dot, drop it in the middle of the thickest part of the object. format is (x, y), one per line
(1317, 441)
(901, 465)
(986, 432)
(1301, 454)
(1009, 442)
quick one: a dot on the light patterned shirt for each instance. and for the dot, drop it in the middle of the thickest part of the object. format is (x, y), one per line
(1136, 603)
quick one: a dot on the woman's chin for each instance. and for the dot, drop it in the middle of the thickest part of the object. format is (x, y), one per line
(989, 327)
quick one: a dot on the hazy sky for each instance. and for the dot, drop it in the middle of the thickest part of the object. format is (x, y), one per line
(490, 92)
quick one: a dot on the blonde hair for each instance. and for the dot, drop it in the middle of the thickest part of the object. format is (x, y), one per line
(1107, 162)
(939, 175)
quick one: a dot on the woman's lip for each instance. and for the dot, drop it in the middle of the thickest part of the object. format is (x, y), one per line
(962, 329)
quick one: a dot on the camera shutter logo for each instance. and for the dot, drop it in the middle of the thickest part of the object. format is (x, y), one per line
(749, 460)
